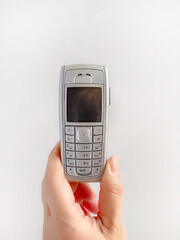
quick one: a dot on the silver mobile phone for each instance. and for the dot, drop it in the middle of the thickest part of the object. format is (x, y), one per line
(83, 115)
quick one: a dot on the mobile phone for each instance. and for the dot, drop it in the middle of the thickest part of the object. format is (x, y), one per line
(84, 98)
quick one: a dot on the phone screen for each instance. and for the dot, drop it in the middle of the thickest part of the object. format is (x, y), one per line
(84, 104)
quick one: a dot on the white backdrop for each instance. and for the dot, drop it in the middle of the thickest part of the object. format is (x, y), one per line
(139, 42)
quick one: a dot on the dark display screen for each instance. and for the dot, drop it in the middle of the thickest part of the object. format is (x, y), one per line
(84, 104)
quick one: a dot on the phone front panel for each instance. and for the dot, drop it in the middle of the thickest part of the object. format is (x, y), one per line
(84, 118)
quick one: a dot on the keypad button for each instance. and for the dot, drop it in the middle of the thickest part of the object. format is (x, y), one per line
(70, 130)
(71, 171)
(83, 147)
(97, 154)
(98, 130)
(83, 155)
(96, 171)
(70, 154)
(69, 146)
(97, 138)
(69, 138)
(83, 134)
(83, 171)
(70, 162)
(97, 146)
(83, 163)
(96, 162)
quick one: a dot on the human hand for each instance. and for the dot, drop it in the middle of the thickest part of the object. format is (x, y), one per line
(68, 206)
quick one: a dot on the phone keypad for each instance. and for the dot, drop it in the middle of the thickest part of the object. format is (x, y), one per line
(83, 150)
(71, 171)
(83, 147)
(97, 146)
(70, 154)
(70, 146)
(70, 162)
(83, 171)
(96, 171)
(98, 130)
(97, 154)
(83, 163)
(98, 139)
(96, 162)
(83, 155)
(69, 138)
(69, 130)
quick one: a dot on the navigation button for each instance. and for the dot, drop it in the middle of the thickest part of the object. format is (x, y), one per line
(83, 134)
(83, 171)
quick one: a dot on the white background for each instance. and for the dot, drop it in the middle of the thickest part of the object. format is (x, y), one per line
(139, 42)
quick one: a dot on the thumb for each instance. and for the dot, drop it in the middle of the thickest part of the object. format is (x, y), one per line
(111, 195)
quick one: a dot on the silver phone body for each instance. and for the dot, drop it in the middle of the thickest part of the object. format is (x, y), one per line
(83, 143)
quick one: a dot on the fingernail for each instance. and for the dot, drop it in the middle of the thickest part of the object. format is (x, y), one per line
(114, 164)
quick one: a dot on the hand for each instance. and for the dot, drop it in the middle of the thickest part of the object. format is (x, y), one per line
(68, 206)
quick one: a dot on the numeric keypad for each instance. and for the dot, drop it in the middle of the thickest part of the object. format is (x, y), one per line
(83, 150)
